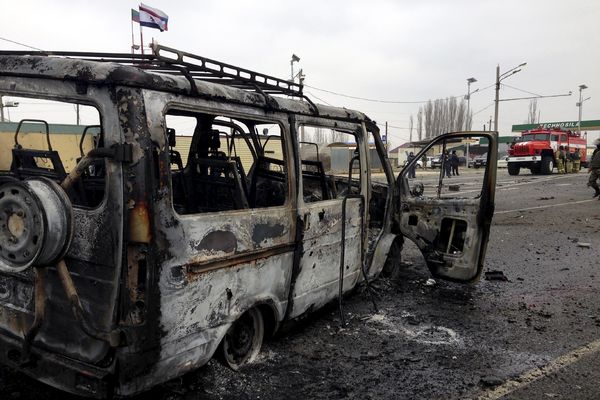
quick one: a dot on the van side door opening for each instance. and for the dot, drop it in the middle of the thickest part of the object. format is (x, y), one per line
(449, 221)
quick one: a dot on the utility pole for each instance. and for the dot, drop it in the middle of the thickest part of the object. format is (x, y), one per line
(386, 139)
(497, 100)
(500, 78)
(1, 109)
(77, 113)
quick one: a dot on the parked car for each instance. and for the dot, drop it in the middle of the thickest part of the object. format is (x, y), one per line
(480, 161)
(503, 161)
(437, 161)
(419, 163)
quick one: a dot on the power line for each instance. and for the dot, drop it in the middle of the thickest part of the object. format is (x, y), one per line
(20, 44)
(483, 109)
(397, 127)
(318, 98)
(388, 101)
(521, 90)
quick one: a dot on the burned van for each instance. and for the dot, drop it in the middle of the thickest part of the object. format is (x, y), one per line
(158, 210)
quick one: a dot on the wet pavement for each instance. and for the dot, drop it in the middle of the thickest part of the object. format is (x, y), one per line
(519, 336)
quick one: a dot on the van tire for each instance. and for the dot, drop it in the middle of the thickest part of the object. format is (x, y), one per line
(243, 340)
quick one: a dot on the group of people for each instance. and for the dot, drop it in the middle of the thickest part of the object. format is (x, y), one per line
(450, 164)
(564, 157)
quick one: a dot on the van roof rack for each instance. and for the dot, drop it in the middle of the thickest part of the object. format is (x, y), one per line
(172, 61)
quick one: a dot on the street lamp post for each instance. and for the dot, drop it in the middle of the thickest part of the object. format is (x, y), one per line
(580, 105)
(500, 78)
(468, 121)
(294, 59)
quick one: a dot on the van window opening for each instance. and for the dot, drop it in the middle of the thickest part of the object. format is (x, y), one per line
(220, 163)
(330, 163)
(52, 137)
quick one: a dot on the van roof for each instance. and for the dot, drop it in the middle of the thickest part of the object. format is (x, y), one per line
(113, 69)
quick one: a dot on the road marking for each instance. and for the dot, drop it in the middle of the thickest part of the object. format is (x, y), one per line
(511, 186)
(535, 374)
(545, 206)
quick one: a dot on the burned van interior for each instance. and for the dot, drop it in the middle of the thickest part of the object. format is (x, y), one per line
(220, 164)
(47, 139)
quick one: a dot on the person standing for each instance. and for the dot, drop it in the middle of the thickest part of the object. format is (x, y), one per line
(576, 157)
(454, 163)
(560, 159)
(594, 169)
(446, 162)
(412, 169)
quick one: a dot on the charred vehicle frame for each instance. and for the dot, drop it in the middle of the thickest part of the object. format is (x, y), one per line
(134, 267)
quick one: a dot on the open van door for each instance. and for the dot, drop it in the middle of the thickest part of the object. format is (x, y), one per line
(448, 212)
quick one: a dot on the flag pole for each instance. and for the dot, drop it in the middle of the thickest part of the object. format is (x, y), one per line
(141, 40)
(132, 38)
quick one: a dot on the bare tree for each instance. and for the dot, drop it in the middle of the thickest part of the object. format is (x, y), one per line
(410, 128)
(420, 124)
(462, 119)
(533, 112)
(428, 119)
(442, 115)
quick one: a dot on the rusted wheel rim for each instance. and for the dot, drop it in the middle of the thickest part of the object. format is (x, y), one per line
(21, 226)
(243, 340)
(35, 224)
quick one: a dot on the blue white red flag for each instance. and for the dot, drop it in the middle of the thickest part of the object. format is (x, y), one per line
(153, 18)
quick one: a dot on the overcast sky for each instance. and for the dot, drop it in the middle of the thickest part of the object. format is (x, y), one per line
(403, 50)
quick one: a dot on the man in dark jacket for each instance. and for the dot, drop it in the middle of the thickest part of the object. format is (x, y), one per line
(594, 169)
(412, 171)
(454, 163)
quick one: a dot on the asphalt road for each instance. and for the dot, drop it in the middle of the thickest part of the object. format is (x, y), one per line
(534, 336)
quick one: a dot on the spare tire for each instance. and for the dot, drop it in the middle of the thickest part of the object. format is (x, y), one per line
(36, 224)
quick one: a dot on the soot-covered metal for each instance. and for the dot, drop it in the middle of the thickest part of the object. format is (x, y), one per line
(173, 263)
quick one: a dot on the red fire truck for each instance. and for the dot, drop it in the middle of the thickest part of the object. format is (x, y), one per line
(535, 149)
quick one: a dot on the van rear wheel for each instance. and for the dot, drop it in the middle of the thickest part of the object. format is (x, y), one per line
(243, 340)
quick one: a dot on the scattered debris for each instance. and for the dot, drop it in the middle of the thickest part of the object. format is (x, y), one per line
(454, 188)
(545, 314)
(491, 381)
(430, 282)
(546, 198)
(411, 320)
(495, 276)
(585, 245)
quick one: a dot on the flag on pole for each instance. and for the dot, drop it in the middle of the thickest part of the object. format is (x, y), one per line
(153, 18)
(135, 15)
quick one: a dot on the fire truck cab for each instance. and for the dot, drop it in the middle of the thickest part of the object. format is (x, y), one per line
(536, 148)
